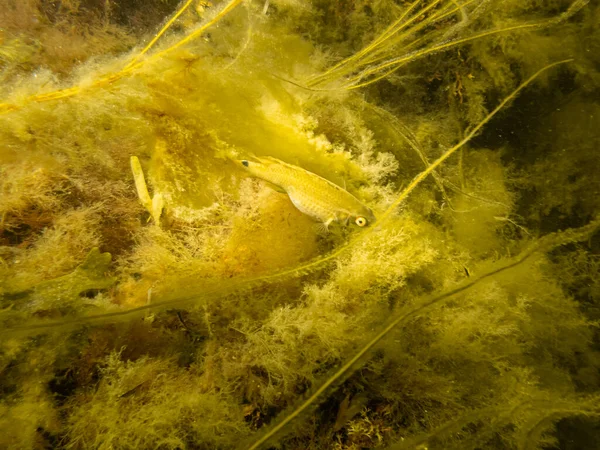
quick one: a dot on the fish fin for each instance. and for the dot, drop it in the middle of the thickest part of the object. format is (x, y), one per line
(321, 229)
(267, 160)
(271, 159)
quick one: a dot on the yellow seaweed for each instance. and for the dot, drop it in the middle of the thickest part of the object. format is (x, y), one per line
(234, 320)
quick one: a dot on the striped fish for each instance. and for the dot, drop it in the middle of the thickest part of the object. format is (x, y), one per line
(311, 194)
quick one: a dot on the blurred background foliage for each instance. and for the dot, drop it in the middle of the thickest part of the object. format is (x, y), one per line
(204, 312)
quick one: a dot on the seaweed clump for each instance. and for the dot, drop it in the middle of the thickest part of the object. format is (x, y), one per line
(153, 296)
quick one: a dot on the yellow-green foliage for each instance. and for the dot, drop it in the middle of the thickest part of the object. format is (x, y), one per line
(21, 420)
(152, 403)
(482, 210)
(571, 190)
(185, 305)
(69, 239)
(299, 338)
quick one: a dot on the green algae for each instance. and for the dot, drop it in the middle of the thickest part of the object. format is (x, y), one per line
(463, 319)
(60, 292)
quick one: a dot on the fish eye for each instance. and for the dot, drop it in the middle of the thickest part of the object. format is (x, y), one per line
(360, 221)
(245, 163)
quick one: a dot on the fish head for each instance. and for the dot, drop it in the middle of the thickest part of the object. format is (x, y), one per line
(364, 217)
(253, 166)
(244, 163)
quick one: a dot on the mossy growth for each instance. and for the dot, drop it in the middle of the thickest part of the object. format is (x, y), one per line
(154, 296)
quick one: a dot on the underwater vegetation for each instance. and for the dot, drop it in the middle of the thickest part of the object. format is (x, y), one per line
(157, 293)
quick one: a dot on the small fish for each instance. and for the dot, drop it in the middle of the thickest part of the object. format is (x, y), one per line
(310, 193)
